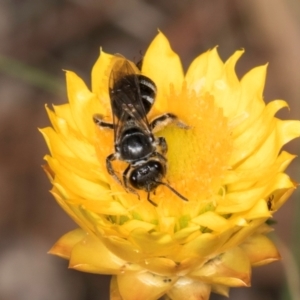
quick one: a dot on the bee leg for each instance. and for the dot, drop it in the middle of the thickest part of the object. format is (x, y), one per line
(110, 168)
(148, 198)
(163, 145)
(161, 121)
(98, 120)
(126, 183)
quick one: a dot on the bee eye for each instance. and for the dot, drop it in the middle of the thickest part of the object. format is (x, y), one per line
(133, 178)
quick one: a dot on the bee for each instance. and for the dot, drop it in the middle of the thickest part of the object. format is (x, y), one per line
(132, 95)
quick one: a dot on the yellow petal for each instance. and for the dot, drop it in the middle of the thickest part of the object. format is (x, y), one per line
(83, 104)
(242, 233)
(220, 289)
(258, 211)
(281, 196)
(91, 255)
(226, 88)
(243, 200)
(163, 66)
(260, 250)
(160, 265)
(114, 289)
(212, 221)
(252, 85)
(282, 133)
(100, 79)
(123, 248)
(229, 70)
(76, 213)
(100, 206)
(68, 142)
(84, 188)
(204, 71)
(141, 286)
(189, 289)
(136, 224)
(236, 178)
(200, 247)
(54, 142)
(231, 268)
(152, 243)
(256, 135)
(64, 112)
(288, 130)
(64, 246)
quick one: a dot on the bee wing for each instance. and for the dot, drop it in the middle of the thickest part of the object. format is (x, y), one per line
(125, 97)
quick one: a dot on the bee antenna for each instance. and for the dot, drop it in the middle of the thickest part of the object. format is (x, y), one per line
(173, 190)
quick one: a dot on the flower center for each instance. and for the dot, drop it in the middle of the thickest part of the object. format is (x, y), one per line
(197, 157)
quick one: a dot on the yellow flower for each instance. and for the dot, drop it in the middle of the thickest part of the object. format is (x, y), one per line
(228, 164)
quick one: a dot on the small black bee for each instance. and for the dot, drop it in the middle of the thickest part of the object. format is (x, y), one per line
(131, 96)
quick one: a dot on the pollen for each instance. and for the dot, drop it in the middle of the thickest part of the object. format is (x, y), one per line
(198, 156)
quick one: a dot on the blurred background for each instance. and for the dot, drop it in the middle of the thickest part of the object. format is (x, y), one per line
(40, 38)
